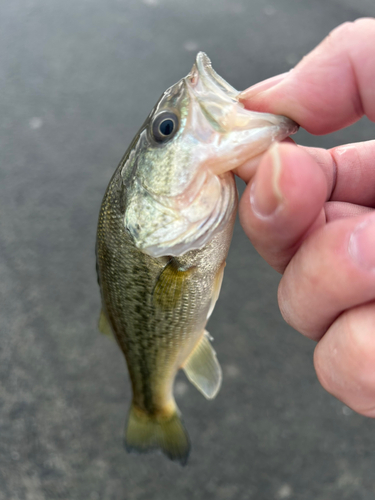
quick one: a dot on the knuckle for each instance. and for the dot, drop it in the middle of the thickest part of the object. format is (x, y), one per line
(284, 303)
(350, 30)
(361, 346)
(325, 376)
(293, 297)
(342, 28)
(364, 22)
(289, 311)
(367, 412)
(345, 357)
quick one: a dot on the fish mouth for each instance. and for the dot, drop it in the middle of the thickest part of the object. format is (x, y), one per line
(204, 79)
(220, 135)
(234, 133)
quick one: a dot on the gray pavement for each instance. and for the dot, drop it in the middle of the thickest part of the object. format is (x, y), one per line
(77, 80)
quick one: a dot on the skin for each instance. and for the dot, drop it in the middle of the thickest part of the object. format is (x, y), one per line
(310, 212)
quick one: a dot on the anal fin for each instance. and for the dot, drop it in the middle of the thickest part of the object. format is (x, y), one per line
(203, 369)
(104, 326)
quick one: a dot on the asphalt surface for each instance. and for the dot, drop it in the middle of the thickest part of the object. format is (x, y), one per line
(77, 80)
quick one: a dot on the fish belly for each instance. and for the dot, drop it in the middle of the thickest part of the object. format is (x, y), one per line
(156, 334)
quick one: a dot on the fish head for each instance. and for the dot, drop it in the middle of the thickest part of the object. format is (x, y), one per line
(180, 191)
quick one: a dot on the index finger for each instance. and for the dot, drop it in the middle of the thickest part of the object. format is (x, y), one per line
(331, 88)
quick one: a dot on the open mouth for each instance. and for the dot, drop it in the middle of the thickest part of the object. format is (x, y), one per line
(204, 78)
(239, 134)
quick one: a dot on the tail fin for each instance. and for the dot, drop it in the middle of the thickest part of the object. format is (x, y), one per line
(146, 432)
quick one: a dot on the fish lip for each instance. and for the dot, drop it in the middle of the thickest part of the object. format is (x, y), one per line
(220, 102)
(203, 71)
(215, 108)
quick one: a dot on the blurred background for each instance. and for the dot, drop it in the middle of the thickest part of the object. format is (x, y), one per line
(77, 79)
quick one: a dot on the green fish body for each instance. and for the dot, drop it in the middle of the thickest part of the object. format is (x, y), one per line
(164, 231)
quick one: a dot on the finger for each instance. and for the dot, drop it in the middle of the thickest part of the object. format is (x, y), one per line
(333, 270)
(331, 87)
(345, 358)
(349, 171)
(338, 210)
(247, 170)
(283, 203)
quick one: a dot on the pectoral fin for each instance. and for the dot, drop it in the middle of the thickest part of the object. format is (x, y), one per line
(202, 368)
(171, 285)
(104, 326)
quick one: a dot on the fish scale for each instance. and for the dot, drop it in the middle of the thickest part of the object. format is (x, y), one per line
(141, 329)
(164, 231)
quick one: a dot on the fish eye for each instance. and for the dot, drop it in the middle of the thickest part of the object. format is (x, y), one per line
(164, 127)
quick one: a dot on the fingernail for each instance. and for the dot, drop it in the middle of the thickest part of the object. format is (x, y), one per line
(261, 86)
(265, 192)
(362, 244)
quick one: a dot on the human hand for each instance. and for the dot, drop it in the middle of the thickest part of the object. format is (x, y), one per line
(310, 212)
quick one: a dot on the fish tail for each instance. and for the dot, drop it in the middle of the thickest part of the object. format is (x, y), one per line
(146, 432)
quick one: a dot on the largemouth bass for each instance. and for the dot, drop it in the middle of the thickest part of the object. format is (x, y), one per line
(164, 232)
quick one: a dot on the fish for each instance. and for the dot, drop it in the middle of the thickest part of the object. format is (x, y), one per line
(164, 231)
